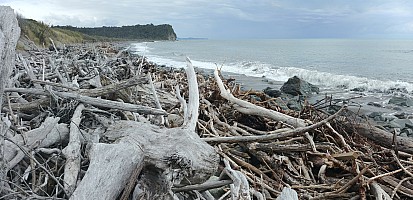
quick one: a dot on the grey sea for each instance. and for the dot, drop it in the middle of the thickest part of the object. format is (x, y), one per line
(374, 69)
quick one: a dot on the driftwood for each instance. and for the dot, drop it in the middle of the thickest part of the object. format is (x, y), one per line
(167, 155)
(95, 122)
(9, 34)
(384, 138)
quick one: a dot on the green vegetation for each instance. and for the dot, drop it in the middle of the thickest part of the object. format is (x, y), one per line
(39, 33)
(140, 32)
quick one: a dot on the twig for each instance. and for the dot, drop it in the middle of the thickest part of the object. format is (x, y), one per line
(291, 133)
(203, 186)
(398, 186)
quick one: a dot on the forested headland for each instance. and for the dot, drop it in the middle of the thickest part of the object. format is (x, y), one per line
(146, 32)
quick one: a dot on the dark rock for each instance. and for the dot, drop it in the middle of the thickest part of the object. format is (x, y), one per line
(402, 115)
(51, 48)
(375, 114)
(397, 90)
(401, 101)
(295, 86)
(374, 104)
(294, 105)
(408, 131)
(403, 134)
(272, 92)
(402, 123)
(358, 90)
(397, 109)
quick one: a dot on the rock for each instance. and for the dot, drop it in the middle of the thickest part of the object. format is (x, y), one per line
(375, 114)
(293, 105)
(358, 90)
(401, 123)
(401, 101)
(375, 104)
(403, 134)
(295, 86)
(272, 92)
(394, 124)
(402, 115)
(408, 131)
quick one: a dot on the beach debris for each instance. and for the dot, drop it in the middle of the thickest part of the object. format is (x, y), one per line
(93, 121)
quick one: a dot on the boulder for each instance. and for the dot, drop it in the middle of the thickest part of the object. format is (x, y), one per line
(375, 114)
(375, 104)
(295, 86)
(358, 89)
(401, 101)
(272, 92)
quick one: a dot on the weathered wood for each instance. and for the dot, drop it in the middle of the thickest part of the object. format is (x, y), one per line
(251, 109)
(47, 134)
(72, 152)
(110, 167)
(168, 156)
(382, 137)
(94, 101)
(281, 135)
(9, 34)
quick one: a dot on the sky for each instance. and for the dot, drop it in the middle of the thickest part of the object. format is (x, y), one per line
(234, 19)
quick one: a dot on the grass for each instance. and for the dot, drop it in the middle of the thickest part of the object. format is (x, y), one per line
(39, 33)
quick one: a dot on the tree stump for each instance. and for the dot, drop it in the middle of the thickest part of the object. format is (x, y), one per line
(167, 156)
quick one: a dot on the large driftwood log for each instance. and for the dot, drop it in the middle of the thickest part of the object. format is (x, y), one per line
(168, 156)
(93, 101)
(251, 109)
(382, 137)
(72, 151)
(49, 133)
(9, 34)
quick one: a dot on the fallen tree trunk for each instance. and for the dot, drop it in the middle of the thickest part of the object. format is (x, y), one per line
(382, 137)
(9, 34)
(167, 156)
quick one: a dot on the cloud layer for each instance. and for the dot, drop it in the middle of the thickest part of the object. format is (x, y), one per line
(234, 18)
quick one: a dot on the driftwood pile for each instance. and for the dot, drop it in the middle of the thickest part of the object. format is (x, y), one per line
(95, 122)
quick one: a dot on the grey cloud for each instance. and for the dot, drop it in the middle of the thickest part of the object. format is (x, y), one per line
(235, 18)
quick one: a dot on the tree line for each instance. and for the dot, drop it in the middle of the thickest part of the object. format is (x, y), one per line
(147, 32)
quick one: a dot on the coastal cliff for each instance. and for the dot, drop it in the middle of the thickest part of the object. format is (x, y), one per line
(140, 32)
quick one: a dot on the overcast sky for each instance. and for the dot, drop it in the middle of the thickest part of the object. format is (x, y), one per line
(234, 18)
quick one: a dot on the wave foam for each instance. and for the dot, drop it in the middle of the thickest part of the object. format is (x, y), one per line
(276, 73)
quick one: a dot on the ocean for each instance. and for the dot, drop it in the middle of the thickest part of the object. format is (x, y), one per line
(378, 68)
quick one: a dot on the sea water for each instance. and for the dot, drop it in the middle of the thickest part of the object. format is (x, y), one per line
(377, 67)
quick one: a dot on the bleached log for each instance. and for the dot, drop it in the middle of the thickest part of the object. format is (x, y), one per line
(72, 152)
(168, 156)
(382, 137)
(110, 167)
(288, 194)
(378, 192)
(9, 34)
(47, 134)
(94, 101)
(251, 109)
(193, 101)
